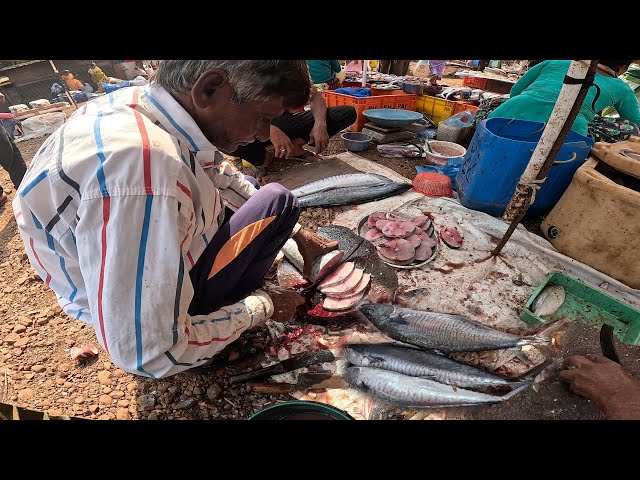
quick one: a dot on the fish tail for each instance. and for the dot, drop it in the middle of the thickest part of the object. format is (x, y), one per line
(546, 335)
(513, 392)
(530, 376)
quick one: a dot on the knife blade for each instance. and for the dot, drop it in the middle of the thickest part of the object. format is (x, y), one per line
(299, 360)
(607, 343)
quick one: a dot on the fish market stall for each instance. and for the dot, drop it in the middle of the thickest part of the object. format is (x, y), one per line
(460, 281)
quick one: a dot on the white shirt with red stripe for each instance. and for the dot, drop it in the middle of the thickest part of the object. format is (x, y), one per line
(117, 206)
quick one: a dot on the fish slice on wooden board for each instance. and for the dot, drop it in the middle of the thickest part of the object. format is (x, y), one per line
(359, 288)
(384, 280)
(337, 276)
(346, 285)
(341, 304)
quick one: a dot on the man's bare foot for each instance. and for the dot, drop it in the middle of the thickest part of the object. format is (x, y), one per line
(311, 246)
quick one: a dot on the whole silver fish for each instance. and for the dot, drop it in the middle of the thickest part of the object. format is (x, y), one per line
(352, 195)
(443, 331)
(420, 363)
(407, 391)
(340, 181)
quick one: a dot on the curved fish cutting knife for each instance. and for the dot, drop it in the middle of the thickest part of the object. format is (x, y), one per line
(607, 344)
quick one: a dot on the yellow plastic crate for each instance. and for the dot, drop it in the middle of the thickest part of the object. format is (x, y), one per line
(437, 109)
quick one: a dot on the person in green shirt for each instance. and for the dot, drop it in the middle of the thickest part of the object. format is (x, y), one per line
(535, 94)
(632, 78)
(324, 71)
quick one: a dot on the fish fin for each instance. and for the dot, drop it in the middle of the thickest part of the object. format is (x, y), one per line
(513, 392)
(376, 362)
(520, 355)
(530, 376)
(546, 335)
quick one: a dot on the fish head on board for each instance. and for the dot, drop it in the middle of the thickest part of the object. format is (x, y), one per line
(354, 376)
(360, 354)
(378, 314)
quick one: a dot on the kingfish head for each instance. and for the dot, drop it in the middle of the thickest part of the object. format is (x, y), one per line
(355, 353)
(377, 314)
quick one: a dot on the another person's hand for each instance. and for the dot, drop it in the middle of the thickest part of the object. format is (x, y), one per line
(2, 99)
(282, 145)
(319, 137)
(285, 303)
(604, 382)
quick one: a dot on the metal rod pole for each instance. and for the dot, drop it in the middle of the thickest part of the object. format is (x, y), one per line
(526, 191)
(66, 90)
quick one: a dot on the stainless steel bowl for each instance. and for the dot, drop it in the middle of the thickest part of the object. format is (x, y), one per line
(362, 229)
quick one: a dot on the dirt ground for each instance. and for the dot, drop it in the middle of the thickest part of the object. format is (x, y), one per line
(37, 372)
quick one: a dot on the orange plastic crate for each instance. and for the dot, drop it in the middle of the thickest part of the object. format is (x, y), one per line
(359, 103)
(461, 107)
(475, 82)
(405, 101)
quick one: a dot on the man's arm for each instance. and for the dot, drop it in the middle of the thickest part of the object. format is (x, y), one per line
(319, 136)
(135, 263)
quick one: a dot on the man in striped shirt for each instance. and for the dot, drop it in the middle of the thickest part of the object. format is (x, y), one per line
(122, 212)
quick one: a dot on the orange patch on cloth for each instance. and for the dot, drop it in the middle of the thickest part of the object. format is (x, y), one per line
(237, 243)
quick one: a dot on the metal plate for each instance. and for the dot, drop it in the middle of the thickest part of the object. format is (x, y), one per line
(362, 229)
(392, 117)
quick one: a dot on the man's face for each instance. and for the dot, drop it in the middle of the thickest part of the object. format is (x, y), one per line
(236, 124)
(227, 124)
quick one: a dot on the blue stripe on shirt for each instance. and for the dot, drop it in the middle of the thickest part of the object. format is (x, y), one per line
(41, 176)
(100, 173)
(171, 120)
(139, 273)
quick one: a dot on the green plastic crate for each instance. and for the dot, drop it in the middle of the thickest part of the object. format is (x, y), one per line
(590, 306)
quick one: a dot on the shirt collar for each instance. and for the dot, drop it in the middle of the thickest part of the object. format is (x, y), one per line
(174, 118)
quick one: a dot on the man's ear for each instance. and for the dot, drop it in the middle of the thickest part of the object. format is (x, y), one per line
(210, 82)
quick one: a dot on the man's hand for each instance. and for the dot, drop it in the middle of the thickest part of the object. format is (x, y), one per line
(285, 303)
(606, 383)
(2, 99)
(311, 245)
(282, 145)
(319, 137)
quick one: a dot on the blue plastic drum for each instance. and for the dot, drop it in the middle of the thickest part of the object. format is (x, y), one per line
(498, 155)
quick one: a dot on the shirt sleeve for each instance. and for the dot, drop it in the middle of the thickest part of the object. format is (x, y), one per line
(627, 106)
(234, 189)
(133, 252)
(527, 79)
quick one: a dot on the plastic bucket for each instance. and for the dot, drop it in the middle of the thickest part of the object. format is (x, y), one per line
(444, 152)
(301, 411)
(497, 156)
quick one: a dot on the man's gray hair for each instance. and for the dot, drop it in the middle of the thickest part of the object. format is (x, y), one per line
(251, 80)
